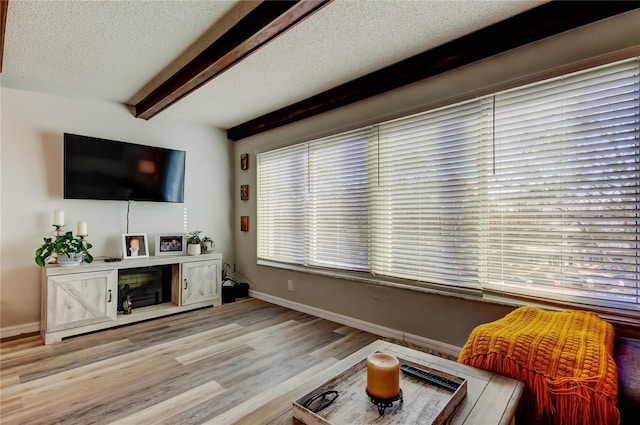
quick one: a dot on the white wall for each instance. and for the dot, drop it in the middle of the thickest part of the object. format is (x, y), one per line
(31, 177)
(442, 318)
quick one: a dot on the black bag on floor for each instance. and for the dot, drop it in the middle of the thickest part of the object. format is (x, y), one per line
(242, 290)
(228, 291)
(231, 290)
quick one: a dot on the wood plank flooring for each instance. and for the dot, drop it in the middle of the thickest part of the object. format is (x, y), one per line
(213, 366)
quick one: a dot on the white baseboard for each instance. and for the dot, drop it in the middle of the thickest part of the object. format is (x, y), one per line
(431, 344)
(26, 328)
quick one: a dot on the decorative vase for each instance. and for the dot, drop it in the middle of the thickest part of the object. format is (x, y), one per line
(207, 247)
(193, 249)
(70, 259)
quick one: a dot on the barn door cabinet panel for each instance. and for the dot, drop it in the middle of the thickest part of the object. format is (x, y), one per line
(81, 299)
(200, 282)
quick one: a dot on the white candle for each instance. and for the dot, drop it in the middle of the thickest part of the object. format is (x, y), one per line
(82, 228)
(383, 375)
(58, 218)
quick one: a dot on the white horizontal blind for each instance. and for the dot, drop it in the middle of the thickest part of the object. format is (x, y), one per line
(282, 190)
(427, 206)
(564, 202)
(535, 192)
(337, 213)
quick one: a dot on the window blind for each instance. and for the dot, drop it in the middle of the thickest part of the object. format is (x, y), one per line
(534, 191)
(564, 200)
(337, 213)
(282, 189)
(427, 205)
(313, 204)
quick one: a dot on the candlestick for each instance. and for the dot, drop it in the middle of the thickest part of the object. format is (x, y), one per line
(58, 218)
(82, 228)
(58, 229)
(383, 376)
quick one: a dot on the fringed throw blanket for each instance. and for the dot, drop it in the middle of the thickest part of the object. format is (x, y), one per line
(565, 360)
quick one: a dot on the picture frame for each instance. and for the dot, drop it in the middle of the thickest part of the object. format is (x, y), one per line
(131, 241)
(244, 192)
(244, 161)
(171, 244)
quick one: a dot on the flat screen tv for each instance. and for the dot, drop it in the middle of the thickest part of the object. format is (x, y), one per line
(111, 170)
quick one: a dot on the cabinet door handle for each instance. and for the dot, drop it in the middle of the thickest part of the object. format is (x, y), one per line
(185, 284)
(109, 300)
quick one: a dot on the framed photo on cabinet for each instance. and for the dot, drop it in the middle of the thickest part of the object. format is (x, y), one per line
(134, 245)
(171, 244)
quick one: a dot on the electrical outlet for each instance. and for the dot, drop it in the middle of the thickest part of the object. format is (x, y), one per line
(290, 285)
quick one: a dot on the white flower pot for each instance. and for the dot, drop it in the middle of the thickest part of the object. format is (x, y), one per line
(71, 259)
(207, 247)
(193, 249)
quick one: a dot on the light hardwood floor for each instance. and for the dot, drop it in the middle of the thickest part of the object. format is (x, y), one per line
(215, 365)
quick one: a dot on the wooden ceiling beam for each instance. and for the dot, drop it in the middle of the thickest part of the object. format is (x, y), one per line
(268, 20)
(536, 24)
(4, 5)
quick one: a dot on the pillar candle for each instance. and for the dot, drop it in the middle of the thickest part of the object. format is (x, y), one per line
(383, 376)
(58, 218)
(82, 228)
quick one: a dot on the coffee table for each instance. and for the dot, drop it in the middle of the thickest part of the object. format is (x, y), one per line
(490, 398)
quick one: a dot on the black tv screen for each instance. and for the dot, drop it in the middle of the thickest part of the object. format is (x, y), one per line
(111, 170)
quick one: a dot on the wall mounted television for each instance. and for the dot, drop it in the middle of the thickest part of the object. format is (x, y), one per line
(110, 170)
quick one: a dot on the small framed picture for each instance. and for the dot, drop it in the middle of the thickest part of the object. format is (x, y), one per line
(171, 244)
(134, 245)
(244, 161)
(244, 223)
(244, 192)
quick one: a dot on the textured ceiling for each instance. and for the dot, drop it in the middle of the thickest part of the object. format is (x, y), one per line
(121, 50)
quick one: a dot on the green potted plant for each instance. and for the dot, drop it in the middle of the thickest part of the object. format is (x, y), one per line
(207, 244)
(70, 251)
(194, 243)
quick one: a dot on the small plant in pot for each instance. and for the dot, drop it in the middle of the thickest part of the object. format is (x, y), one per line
(194, 243)
(207, 244)
(70, 251)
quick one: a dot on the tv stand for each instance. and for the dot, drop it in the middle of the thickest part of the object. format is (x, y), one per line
(84, 298)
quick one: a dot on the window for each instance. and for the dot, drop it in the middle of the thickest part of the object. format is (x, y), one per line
(563, 201)
(534, 191)
(337, 213)
(313, 203)
(427, 203)
(282, 190)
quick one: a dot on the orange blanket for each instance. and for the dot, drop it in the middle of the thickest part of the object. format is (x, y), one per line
(565, 360)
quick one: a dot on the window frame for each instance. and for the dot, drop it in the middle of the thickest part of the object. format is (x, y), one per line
(484, 293)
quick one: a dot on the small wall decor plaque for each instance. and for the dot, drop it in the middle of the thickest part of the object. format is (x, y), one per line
(244, 223)
(244, 192)
(244, 161)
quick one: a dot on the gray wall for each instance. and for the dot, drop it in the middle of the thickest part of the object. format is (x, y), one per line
(443, 318)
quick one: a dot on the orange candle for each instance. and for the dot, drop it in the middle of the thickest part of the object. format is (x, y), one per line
(383, 376)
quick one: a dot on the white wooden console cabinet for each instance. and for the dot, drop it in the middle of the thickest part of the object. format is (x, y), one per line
(84, 298)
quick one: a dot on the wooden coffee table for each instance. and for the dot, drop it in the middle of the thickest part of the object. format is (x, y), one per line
(490, 398)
